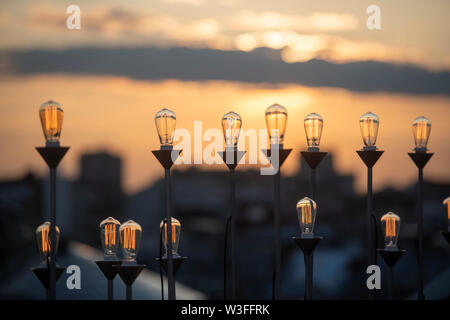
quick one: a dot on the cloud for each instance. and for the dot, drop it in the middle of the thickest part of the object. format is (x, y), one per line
(250, 21)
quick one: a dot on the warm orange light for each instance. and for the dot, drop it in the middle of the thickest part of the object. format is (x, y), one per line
(51, 115)
(391, 227)
(176, 230)
(43, 240)
(109, 233)
(130, 239)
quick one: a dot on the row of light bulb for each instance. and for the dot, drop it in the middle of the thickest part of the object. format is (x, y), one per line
(51, 115)
(390, 222)
(113, 236)
(128, 235)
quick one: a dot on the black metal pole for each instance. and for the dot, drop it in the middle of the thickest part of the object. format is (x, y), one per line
(170, 277)
(233, 234)
(110, 289)
(309, 262)
(420, 235)
(129, 294)
(313, 184)
(277, 244)
(391, 283)
(52, 291)
(370, 244)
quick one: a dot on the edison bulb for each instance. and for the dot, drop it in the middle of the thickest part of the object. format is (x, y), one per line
(51, 115)
(231, 125)
(306, 213)
(276, 118)
(391, 226)
(447, 210)
(44, 241)
(313, 129)
(421, 132)
(368, 124)
(165, 121)
(176, 230)
(130, 239)
(109, 234)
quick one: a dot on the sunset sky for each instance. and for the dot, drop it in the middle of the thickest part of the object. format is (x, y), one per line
(113, 110)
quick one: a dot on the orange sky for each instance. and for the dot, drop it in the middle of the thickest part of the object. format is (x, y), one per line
(117, 114)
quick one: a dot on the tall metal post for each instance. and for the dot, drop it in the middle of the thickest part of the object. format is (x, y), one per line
(52, 291)
(370, 157)
(420, 159)
(390, 257)
(277, 242)
(110, 289)
(307, 245)
(421, 295)
(170, 277)
(233, 234)
(52, 155)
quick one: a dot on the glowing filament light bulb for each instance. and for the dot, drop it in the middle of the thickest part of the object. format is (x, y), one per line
(109, 233)
(51, 115)
(130, 239)
(421, 131)
(368, 124)
(44, 243)
(447, 209)
(165, 121)
(276, 118)
(231, 125)
(313, 129)
(176, 229)
(391, 226)
(306, 213)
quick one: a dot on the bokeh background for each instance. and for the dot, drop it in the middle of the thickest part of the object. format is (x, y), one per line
(202, 59)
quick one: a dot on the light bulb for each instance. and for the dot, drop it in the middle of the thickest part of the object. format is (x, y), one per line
(306, 213)
(447, 209)
(369, 129)
(176, 229)
(391, 225)
(421, 131)
(130, 239)
(109, 233)
(165, 121)
(313, 128)
(44, 243)
(276, 118)
(231, 125)
(51, 115)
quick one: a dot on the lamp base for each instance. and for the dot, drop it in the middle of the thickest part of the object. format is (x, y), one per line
(129, 274)
(446, 235)
(307, 245)
(177, 262)
(166, 156)
(231, 157)
(420, 158)
(369, 157)
(43, 274)
(282, 154)
(108, 269)
(391, 256)
(313, 158)
(52, 154)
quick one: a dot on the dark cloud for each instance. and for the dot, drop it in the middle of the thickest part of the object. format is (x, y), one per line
(259, 66)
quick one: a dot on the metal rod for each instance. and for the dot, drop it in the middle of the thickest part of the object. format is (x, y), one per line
(129, 295)
(52, 291)
(233, 234)
(309, 262)
(110, 289)
(277, 246)
(170, 278)
(370, 244)
(420, 235)
(313, 184)
(391, 283)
